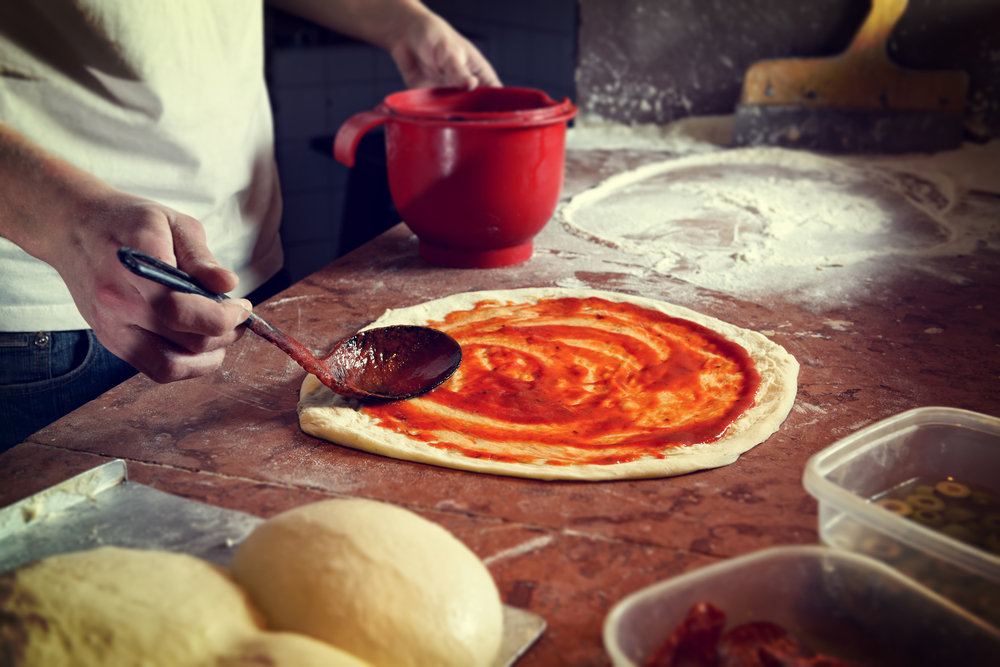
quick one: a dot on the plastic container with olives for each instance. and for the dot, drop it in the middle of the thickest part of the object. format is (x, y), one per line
(919, 491)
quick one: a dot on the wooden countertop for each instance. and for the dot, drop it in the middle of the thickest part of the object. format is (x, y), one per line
(565, 550)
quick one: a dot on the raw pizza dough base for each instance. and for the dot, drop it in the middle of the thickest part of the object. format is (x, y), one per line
(331, 417)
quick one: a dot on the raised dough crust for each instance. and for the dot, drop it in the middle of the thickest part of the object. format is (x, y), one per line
(331, 417)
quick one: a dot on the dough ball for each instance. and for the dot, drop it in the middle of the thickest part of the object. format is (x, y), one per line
(375, 580)
(112, 606)
(287, 649)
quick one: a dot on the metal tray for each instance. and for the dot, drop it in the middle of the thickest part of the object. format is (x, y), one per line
(102, 507)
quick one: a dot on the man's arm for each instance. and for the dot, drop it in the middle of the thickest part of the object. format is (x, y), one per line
(427, 50)
(75, 222)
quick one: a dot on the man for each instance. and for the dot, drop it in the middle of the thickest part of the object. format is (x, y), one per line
(147, 125)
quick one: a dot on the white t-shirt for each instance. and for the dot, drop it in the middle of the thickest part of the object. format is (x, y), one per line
(163, 100)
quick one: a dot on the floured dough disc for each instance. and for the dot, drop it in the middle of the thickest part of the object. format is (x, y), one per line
(375, 580)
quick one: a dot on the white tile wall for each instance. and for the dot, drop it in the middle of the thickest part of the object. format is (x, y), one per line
(531, 43)
(350, 63)
(314, 90)
(314, 207)
(304, 169)
(346, 99)
(386, 71)
(300, 112)
(298, 67)
(511, 56)
(301, 257)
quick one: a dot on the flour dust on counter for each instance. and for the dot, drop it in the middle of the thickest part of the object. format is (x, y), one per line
(758, 222)
(686, 136)
(573, 384)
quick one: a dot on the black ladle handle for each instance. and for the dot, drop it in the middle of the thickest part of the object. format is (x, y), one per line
(160, 272)
(330, 373)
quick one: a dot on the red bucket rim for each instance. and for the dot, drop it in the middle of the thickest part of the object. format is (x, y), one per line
(486, 105)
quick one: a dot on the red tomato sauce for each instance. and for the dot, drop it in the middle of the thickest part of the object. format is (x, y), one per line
(578, 381)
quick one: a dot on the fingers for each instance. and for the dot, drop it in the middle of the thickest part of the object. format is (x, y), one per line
(167, 335)
(433, 54)
(185, 341)
(457, 63)
(193, 322)
(198, 324)
(163, 361)
(186, 319)
(450, 70)
(481, 70)
(179, 336)
(457, 74)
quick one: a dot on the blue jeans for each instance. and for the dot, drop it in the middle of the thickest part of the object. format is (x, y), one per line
(45, 375)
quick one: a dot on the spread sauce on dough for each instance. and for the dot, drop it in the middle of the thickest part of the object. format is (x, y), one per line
(572, 381)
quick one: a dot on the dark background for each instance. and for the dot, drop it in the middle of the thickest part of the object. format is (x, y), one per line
(654, 61)
(630, 61)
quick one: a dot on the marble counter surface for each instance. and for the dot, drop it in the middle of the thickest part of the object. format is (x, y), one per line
(921, 329)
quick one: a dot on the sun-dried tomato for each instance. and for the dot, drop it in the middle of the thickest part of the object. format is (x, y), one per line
(694, 641)
(745, 645)
(699, 642)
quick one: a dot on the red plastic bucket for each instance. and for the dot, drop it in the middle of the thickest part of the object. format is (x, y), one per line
(475, 174)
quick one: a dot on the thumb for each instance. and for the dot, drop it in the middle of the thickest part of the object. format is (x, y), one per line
(194, 257)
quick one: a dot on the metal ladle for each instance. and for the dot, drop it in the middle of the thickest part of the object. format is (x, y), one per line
(385, 363)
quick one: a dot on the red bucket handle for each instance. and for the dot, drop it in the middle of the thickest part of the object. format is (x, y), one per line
(355, 127)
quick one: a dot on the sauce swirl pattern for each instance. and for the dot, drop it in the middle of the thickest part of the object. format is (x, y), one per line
(571, 381)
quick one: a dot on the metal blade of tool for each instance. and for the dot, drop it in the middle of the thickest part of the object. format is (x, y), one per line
(102, 507)
(856, 102)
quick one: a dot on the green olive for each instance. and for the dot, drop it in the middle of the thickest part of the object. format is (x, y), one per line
(952, 489)
(959, 514)
(930, 503)
(946, 571)
(924, 490)
(895, 506)
(912, 565)
(841, 542)
(976, 528)
(989, 608)
(928, 518)
(984, 499)
(960, 532)
(879, 547)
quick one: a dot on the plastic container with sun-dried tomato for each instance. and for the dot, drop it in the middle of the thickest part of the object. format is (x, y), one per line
(952, 546)
(834, 602)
